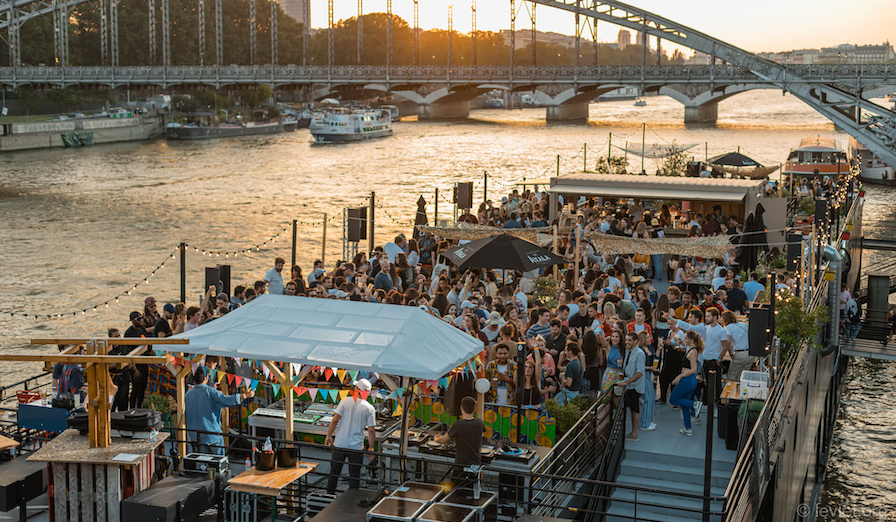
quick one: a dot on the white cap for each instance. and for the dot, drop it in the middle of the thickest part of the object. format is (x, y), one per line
(362, 384)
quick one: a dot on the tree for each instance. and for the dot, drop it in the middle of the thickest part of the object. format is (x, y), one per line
(30, 100)
(676, 163)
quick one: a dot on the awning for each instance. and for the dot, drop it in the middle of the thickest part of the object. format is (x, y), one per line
(391, 339)
(639, 191)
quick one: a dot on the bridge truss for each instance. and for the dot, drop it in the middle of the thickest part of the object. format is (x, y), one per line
(841, 98)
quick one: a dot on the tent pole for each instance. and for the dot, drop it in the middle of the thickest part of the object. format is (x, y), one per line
(403, 449)
(555, 250)
(323, 248)
(286, 386)
(643, 139)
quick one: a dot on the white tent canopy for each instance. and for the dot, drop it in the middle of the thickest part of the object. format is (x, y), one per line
(396, 340)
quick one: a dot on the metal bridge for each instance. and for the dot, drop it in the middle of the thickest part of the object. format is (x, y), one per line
(841, 97)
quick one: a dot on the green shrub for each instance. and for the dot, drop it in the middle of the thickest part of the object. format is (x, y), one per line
(154, 401)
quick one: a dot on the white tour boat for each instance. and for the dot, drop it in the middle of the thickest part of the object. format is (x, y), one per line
(873, 169)
(344, 124)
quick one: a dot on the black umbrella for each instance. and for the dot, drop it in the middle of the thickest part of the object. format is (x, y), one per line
(502, 251)
(421, 216)
(734, 159)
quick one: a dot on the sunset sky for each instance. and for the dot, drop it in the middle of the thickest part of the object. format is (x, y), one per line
(758, 25)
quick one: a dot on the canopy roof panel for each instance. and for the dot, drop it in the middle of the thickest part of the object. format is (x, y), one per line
(397, 340)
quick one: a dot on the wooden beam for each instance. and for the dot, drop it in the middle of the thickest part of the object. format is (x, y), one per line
(390, 383)
(85, 359)
(287, 388)
(114, 341)
(92, 391)
(180, 420)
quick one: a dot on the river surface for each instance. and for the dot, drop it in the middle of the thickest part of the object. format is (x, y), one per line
(81, 227)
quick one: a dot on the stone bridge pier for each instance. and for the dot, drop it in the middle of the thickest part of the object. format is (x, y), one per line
(701, 102)
(564, 104)
(441, 103)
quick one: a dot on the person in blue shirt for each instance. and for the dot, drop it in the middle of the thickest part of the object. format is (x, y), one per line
(753, 286)
(203, 410)
(513, 223)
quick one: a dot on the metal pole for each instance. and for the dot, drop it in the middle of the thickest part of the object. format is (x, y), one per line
(435, 218)
(201, 12)
(585, 158)
(643, 143)
(484, 186)
(166, 34)
(706, 151)
(275, 58)
(360, 28)
(323, 243)
(104, 33)
(330, 42)
(610, 148)
(512, 38)
(294, 237)
(253, 23)
(219, 33)
(113, 26)
(707, 458)
(305, 34)
(594, 31)
(578, 48)
(152, 32)
(183, 272)
(372, 220)
(417, 32)
(450, 28)
(473, 33)
(558, 165)
(388, 39)
(534, 32)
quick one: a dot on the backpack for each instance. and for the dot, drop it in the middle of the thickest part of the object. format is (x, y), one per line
(852, 310)
(68, 382)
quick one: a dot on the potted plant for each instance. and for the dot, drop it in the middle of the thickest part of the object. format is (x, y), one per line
(161, 404)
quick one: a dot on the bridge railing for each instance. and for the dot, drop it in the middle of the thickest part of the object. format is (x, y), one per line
(284, 74)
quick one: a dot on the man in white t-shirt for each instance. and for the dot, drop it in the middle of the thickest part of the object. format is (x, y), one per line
(273, 277)
(353, 416)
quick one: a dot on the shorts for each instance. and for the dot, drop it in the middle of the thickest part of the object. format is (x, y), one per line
(633, 401)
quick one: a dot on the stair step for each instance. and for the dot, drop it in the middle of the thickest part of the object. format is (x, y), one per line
(620, 512)
(673, 472)
(662, 504)
(677, 460)
(668, 485)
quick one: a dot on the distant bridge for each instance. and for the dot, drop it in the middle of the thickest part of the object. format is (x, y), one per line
(840, 92)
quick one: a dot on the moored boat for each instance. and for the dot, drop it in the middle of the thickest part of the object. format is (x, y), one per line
(343, 124)
(817, 156)
(873, 169)
(201, 126)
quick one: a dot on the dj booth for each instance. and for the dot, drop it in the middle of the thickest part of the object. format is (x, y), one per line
(311, 420)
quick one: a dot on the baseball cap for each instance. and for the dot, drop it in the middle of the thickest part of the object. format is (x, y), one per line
(654, 222)
(149, 300)
(466, 304)
(424, 308)
(493, 318)
(221, 297)
(170, 308)
(362, 384)
(341, 295)
(135, 315)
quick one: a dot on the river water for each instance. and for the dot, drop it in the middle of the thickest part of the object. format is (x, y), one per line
(82, 226)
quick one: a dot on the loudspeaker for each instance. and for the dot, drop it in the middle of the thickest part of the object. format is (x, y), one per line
(213, 277)
(463, 195)
(224, 278)
(760, 336)
(794, 252)
(357, 224)
(821, 211)
(459, 388)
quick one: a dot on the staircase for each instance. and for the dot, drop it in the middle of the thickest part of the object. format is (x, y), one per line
(669, 461)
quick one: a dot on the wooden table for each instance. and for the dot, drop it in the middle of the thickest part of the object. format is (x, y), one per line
(7, 443)
(730, 392)
(87, 479)
(269, 483)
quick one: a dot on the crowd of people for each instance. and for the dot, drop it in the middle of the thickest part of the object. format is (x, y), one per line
(645, 323)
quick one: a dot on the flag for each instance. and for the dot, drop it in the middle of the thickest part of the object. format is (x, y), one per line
(312, 392)
(276, 388)
(341, 375)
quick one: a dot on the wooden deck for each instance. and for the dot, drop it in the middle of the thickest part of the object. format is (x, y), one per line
(870, 349)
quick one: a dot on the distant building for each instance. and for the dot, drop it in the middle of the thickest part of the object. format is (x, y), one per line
(849, 53)
(699, 59)
(293, 8)
(623, 40)
(523, 38)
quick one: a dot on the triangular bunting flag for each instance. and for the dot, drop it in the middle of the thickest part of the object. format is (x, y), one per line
(295, 379)
(341, 375)
(221, 376)
(230, 378)
(443, 383)
(212, 373)
(312, 392)
(238, 361)
(364, 394)
(334, 394)
(355, 394)
(276, 388)
(343, 394)
(353, 374)
(253, 383)
(195, 367)
(328, 373)
(397, 411)
(296, 368)
(300, 390)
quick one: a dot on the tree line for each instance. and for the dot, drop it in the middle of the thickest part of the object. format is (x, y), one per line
(134, 47)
